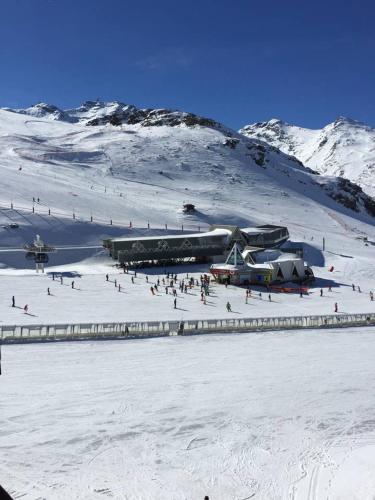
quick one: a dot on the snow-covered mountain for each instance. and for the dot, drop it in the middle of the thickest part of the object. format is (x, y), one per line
(116, 162)
(115, 113)
(344, 148)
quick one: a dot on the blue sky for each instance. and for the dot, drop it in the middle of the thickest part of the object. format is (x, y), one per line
(237, 61)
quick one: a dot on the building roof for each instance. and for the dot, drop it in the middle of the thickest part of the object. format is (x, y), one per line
(214, 232)
(274, 256)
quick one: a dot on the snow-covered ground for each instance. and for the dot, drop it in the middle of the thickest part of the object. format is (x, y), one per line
(95, 300)
(287, 415)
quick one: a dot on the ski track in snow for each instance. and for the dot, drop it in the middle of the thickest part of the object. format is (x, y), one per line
(153, 419)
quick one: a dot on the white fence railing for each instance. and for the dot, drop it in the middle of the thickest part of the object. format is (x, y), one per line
(25, 333)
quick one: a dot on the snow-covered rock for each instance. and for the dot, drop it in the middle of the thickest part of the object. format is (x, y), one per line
(344, 148)
(43, 110)
(116, 113)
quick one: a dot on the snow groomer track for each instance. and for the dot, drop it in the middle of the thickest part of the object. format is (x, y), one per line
(85, 331)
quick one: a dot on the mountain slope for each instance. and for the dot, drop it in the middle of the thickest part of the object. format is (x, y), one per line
(141, 173)
(344, 148)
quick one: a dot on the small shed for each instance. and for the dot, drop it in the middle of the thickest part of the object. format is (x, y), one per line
(188, 208)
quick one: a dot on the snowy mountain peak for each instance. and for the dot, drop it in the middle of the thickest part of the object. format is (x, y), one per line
(344, 148)
(275, 122)
(116, 113)
(343, 120)
(43, 110)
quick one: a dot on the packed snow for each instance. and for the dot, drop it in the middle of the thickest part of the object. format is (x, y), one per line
(270, 416)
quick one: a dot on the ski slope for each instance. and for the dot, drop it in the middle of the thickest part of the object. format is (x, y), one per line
(286, 415)
(269, 416)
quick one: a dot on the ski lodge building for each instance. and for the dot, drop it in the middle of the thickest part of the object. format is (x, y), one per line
(261, 266)
(211, 246)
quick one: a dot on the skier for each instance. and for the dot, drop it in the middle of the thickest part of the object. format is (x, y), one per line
(229, 308)
(353, 286)
(115, 282)
(152, 290)
(371, 296)
(156, 288)
(269, 297)
(158, 282)
(72, 284)
(359, 289)
(321, 292)
(61, 280)
(53, 276)
(26, 308)
(146, 279)
(135, 274)
(336, 307)
(247, 296)
(106, 277)
(175, 303)
(48, 291)
(166, 290)
(119, 287)
(133, 280)
(13, 301)
(301, 294)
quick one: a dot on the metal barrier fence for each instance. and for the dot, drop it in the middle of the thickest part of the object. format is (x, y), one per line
(81, 331)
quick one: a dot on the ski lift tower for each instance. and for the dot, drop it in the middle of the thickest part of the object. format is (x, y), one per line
(38, 252)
